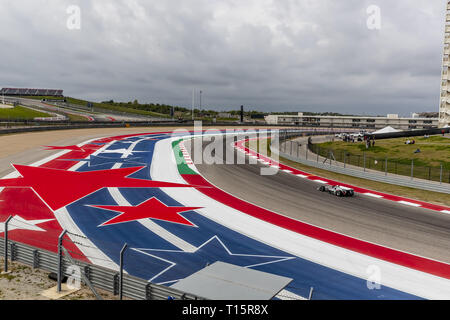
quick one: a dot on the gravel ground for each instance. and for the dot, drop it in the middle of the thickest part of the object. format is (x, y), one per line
(26, 283)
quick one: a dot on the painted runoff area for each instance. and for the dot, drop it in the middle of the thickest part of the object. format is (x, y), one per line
(144, 190)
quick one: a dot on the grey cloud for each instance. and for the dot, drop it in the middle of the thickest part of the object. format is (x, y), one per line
(269, 55)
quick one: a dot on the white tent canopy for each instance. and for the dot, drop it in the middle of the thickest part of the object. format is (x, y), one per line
(387, 129)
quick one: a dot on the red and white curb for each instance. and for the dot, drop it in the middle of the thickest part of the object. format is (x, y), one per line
(401, 270)
(240, 146)
(186, 156)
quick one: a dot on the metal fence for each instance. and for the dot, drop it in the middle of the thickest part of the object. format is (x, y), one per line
(291, 150)
(98, 110)
(410, 168)
(91, 275)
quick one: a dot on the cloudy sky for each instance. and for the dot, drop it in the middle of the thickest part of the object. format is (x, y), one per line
(269, 55)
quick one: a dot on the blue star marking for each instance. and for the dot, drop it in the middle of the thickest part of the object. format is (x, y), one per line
(94, 161)
(182, 264)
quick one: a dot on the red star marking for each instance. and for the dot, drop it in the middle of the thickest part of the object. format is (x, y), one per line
(152, 208)
(59, 188)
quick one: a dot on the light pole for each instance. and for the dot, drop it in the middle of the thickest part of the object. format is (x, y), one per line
(193, 103)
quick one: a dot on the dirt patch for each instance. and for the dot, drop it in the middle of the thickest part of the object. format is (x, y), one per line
(26, 283)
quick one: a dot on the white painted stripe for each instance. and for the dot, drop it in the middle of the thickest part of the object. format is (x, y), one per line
(87, 247)
(445, 211)
(77, 166)
(152, 226)
(149, 224)
(288, 171)
(409, 203)
(373, 195)
(301, 176)
(319, 181)
(16, 174)
(65, 220)
(48, 159)
(395, 276)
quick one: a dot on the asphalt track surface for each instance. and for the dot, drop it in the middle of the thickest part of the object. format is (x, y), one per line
(36, 153)
(27, 148)
(164, 251)
(414, 230)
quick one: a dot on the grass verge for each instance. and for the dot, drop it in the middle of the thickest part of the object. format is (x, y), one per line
(422, 195)
(434, 150)
(20, 112)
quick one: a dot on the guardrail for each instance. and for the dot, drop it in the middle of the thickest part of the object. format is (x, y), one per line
(383, 165)
(99, 111)
(313, 161)
(99, 277)
(67, 125)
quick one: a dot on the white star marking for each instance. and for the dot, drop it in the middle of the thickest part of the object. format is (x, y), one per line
(17, 222)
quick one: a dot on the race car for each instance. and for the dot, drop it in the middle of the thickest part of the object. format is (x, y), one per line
(339, 191)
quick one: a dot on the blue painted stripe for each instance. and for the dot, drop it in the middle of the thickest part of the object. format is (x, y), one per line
(216, 241)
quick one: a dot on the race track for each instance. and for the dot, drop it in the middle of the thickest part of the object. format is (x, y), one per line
(415, 230)
(145, 191)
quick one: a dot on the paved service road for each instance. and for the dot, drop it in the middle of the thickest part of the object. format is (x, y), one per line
(415, 230)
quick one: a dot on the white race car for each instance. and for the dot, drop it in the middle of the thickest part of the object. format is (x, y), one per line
(339, 191)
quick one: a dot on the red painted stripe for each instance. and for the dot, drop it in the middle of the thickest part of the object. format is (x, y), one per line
(12, 201)
(386, 196)
(89, 149)
(66, 165)
(34, 209)
(401, 258)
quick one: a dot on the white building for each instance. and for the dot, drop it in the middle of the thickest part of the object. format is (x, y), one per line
(444, 107)
(392, 120)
